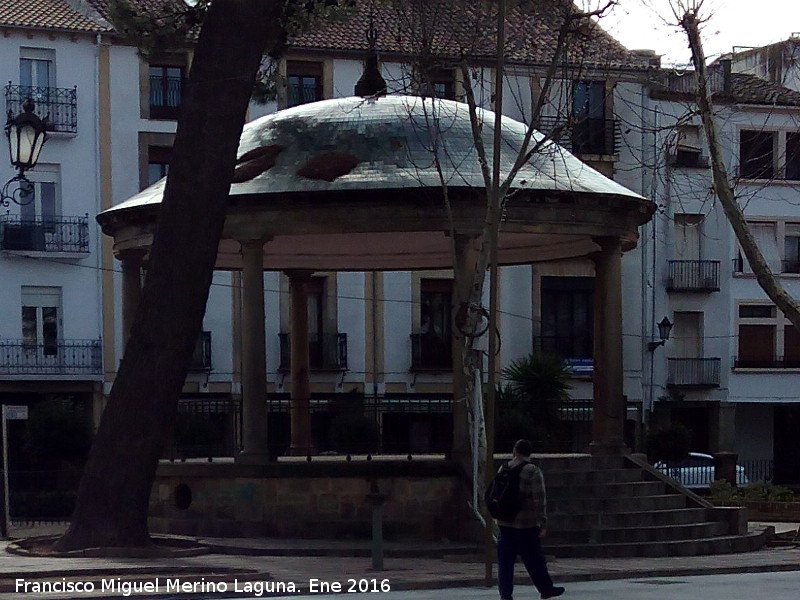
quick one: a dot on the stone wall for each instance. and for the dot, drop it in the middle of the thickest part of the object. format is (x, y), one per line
(781, 512)
(424, 500)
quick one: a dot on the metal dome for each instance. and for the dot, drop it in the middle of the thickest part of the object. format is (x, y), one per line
(389, 143)
(352, 183)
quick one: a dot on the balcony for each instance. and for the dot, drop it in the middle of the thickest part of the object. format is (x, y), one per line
(58, 105)
(201, 356)
(586, 136)
(695, 373)
(693, 276)
(429, 352)
(327, 352)
(63, 235)
(774, 363)
(65, 357)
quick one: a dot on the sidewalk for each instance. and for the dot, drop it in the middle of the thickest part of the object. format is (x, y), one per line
(287, 574)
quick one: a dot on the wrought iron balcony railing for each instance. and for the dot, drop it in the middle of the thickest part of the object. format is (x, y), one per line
(326, 352)
(693, 372)
(65, 357)
(58, 105)
(429, 352)
(165, 96)
(59, 235)
(693, 276)
(201, 357)
(583, 136)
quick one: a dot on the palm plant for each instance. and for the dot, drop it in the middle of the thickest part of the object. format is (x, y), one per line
(528, 404)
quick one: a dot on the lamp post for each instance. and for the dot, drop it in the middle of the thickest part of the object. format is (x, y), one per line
(26, 135)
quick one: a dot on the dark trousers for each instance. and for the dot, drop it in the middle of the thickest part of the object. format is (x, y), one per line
(526, 544)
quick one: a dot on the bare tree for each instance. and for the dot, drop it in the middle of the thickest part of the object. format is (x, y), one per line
(689, 14)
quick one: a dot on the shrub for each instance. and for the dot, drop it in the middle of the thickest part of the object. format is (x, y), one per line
(724, 494)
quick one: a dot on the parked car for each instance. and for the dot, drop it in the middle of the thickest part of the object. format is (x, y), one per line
(697, 471)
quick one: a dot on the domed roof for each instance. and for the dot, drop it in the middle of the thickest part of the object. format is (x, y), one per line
(389, 142)
(353, 184)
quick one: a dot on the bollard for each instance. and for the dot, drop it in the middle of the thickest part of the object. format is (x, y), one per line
(376, 500)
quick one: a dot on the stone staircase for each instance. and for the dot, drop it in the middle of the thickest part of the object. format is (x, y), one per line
(620, 506)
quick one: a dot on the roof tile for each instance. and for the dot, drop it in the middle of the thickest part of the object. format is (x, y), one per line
(48, 14)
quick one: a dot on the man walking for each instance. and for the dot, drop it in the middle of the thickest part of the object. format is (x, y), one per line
(521, 537)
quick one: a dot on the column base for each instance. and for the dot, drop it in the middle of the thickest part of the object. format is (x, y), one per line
(252, 458)
(608, 449)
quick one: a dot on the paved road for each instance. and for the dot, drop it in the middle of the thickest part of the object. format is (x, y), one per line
(764, 586)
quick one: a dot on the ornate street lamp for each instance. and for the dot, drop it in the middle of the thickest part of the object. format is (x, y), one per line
(664, 328)
(26, 135)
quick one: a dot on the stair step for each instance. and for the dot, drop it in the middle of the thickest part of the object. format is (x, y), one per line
(551, 463)
(656, 518)
(638, 534)
(583, 477)
(606, 490)
(582, 505)
(713, 545)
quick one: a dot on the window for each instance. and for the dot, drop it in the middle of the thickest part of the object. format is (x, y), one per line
(37, 73)
(779, 242)
(303, 82)
(166, 89)
(793, 156)
(439, 83)
(689, 148)
(686, 340)
(41, 309)
(433, 343)
(791, 249)
(766, 237)
(767, 340)
(158, 158)
(567, 324)
(688, 236)
(42, 203)
(757, 154)
(589, 114)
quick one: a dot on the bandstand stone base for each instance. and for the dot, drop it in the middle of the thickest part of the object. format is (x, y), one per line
(426, 499)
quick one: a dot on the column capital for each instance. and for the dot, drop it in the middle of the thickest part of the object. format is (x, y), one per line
(253, 243)
(608, 244)
(132, 255)
(299, 274)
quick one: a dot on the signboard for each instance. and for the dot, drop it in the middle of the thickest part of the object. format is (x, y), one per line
(15, 413)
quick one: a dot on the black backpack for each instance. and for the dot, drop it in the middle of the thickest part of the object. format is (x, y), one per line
(502, 495)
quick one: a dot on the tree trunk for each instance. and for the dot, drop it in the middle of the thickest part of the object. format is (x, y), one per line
(722, 188)
(114, 492)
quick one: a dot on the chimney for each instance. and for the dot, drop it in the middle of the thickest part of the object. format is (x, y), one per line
(653, 59)
(726, 75)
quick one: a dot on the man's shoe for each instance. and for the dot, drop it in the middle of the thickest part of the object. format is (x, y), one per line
(556, 591)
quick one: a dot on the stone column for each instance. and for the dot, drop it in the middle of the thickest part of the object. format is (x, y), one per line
(254, 368)
(301, 444)
(608, 407)
(131, 289)
(465, 264)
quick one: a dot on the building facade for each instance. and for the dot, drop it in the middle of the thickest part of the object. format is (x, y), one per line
(383, 338)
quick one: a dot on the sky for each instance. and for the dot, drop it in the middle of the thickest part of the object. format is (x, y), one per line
(648, 24)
